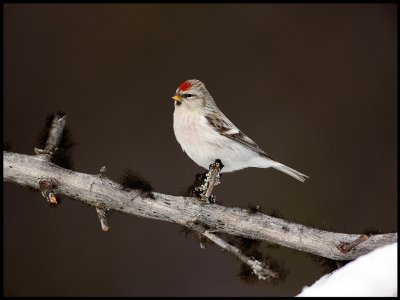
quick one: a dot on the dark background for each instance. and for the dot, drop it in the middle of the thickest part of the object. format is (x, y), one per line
(313, 85)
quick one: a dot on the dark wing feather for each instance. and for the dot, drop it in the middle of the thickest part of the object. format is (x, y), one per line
(232, 132)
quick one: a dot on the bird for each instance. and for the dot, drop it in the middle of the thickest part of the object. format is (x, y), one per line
(206, 134)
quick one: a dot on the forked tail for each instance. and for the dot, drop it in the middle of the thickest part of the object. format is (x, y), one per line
(285, 169)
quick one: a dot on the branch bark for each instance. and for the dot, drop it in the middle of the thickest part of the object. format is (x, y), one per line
(29, 170)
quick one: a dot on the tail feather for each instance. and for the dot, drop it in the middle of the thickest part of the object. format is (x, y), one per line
(295, 174)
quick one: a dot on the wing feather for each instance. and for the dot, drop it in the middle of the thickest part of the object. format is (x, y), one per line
(229, 130)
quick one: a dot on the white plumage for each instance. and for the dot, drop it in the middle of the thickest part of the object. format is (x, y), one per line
(206, 134)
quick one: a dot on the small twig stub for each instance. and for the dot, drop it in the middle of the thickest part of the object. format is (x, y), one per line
(101, 213)
(346, 247)
(54, 137)
(103, 171)
(55, 133)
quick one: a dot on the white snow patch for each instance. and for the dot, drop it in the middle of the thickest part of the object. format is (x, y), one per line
(371, 275)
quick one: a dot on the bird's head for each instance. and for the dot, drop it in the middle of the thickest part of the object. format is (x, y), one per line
(192, 94)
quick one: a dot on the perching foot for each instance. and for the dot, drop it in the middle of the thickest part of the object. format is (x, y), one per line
(207, 181)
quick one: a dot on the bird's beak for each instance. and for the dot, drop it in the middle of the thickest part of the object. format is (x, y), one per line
(177, 98)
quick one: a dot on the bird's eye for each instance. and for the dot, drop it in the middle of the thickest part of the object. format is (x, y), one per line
(188, 95)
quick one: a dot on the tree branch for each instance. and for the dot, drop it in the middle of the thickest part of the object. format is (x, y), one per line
(258, 267)
(29, 170)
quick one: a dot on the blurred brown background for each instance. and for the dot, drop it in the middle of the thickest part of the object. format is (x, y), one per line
(313, 85)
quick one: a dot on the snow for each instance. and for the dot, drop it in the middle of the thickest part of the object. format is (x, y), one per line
(371, 275)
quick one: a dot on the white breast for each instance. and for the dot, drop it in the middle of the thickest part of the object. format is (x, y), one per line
(195, 135)
(203, 144)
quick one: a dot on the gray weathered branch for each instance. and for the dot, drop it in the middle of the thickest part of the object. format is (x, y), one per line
(102, 192)
(259, 269)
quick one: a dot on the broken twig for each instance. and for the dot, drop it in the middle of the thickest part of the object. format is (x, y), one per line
(101, 213)
(54, 138)
(346, 247)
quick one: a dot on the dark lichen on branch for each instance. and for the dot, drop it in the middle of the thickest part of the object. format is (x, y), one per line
(133, 180)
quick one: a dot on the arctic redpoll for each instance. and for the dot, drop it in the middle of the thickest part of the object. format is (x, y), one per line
(206, 134)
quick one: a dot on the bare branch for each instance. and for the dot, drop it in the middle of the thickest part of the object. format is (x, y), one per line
(258, 267)
(29, 170)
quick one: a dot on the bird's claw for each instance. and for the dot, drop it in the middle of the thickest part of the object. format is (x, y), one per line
(208, 181)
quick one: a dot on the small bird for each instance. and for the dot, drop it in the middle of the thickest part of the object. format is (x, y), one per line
(206, 134)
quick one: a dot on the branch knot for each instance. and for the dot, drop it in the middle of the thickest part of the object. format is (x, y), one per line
(48, 187)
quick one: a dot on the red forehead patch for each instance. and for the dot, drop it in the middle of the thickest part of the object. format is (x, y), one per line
(185, 86)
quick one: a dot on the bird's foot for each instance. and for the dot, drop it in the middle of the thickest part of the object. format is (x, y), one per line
(207, 181)
(195, 189)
